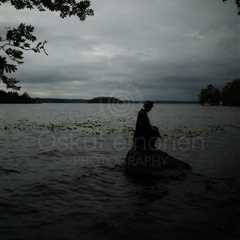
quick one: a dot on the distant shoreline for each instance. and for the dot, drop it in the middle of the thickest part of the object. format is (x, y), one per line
(77, 101)
(123, 102)
(15, 99)
(106, 100)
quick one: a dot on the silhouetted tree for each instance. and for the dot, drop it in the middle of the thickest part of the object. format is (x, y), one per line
(20, 39)
(210, 95)
(14, 97)
(237, 3)
(17, 41)
(231, 93)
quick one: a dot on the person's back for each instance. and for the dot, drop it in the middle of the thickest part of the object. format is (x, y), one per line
(145, 134)
(142, 123)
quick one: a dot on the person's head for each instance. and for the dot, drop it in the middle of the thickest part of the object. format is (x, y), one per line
(148, 105)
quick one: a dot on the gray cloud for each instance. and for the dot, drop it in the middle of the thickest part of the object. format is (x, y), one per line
(138, 49)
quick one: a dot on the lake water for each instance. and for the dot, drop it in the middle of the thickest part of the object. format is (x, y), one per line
(61, 173)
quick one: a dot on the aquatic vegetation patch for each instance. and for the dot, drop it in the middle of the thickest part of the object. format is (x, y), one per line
(105, 127)
(85, 128)
(191, 132)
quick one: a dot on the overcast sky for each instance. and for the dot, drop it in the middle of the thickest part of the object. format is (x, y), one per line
(132, 49)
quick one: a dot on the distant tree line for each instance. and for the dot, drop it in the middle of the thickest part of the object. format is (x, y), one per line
(237, 3)
(228, 96)
(15, 97)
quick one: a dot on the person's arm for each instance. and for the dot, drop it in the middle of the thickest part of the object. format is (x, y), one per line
(156, 131)
(146, 121)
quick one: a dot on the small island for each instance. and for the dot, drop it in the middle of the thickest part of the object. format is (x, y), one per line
(105, 100)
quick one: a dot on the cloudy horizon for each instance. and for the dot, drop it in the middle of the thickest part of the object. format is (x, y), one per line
(136, 50)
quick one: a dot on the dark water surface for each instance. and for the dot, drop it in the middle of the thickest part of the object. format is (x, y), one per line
(62, 176)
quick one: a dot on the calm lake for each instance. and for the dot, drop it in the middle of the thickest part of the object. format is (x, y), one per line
(61, 172)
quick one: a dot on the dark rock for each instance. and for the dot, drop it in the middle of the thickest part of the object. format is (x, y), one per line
(154, 163)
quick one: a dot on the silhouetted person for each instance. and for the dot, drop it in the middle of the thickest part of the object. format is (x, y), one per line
(145, 135)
